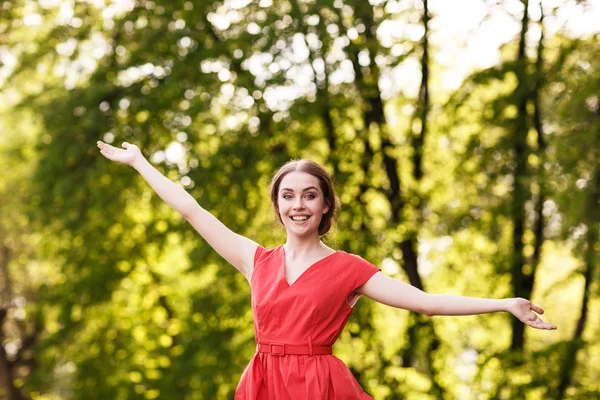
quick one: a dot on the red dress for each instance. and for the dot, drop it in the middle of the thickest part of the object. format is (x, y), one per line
(309, 314)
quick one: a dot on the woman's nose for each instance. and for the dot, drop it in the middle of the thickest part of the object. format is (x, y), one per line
(298, 204)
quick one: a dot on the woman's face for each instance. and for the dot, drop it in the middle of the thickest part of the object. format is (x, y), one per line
(301, 203)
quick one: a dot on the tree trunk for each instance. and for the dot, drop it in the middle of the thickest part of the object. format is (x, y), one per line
(323, 97)
(538, 229)
(520, 193)
(8, 390)
(409, 246)
(374, 116)
(422, 110)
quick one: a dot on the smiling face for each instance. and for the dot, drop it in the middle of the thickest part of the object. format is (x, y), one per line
(301, 203)
(311, 186)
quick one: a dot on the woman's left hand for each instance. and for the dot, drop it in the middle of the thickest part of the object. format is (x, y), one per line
(526, 311)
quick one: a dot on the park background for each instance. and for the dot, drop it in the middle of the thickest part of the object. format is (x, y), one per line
(463, 135)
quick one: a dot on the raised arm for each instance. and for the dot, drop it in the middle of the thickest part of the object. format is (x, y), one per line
(236, 249)
(395, 293)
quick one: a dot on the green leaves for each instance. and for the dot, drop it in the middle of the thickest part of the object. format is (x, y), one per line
(117, 296)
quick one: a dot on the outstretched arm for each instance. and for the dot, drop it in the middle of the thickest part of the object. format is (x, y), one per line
(395, 293)
(236, 249)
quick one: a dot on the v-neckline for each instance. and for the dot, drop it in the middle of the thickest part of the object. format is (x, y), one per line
(305, 271)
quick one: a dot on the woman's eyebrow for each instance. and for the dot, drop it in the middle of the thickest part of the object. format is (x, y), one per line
(304, 190)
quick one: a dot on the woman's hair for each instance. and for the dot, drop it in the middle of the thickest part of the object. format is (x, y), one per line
(325, 182)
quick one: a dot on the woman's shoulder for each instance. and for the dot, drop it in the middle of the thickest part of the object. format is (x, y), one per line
(350, 257)
(354, 269)
(351, 260)
(265, 253)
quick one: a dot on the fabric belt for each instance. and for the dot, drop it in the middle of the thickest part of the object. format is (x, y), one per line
(280, 349)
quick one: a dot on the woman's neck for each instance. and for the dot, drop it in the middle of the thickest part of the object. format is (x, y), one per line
(298, 247)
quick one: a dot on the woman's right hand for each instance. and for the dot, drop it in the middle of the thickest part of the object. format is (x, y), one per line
(127, 156)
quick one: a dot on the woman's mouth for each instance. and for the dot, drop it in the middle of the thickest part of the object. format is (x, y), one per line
(299, 218)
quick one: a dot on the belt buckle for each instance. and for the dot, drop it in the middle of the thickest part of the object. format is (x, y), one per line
(275, 352)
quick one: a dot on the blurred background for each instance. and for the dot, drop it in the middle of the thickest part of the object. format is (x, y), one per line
(463, 136)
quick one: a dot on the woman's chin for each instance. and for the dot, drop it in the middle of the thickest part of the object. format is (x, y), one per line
(301, 231)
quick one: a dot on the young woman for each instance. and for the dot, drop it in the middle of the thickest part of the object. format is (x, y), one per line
(303, 291)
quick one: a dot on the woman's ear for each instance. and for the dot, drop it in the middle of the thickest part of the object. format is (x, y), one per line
(326, 209)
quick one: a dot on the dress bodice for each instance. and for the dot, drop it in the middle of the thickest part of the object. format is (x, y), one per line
(312, 311)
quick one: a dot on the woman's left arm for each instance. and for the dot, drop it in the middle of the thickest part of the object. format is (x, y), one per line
(395, 293)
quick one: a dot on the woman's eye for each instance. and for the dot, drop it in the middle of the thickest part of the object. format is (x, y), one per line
(287, 196)
(310, 196)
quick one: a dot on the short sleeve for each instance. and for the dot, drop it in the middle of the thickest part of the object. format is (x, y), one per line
(257, 255)
(261, 256)
(360, 271)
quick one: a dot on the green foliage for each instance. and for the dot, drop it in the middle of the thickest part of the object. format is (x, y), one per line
(123, 300)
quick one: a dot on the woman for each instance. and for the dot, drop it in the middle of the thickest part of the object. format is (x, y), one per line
(303, 291)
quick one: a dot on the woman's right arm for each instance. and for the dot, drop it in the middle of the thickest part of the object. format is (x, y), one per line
(236, 249)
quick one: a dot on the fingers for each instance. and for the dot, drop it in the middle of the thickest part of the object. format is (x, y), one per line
(106, 154)
(540, 324)
(105, 150)
(537, 309)
(103, 146)
(546, 326)
(528, 316)
(106, 146)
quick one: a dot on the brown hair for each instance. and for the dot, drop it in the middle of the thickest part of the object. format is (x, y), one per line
(325, 182)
